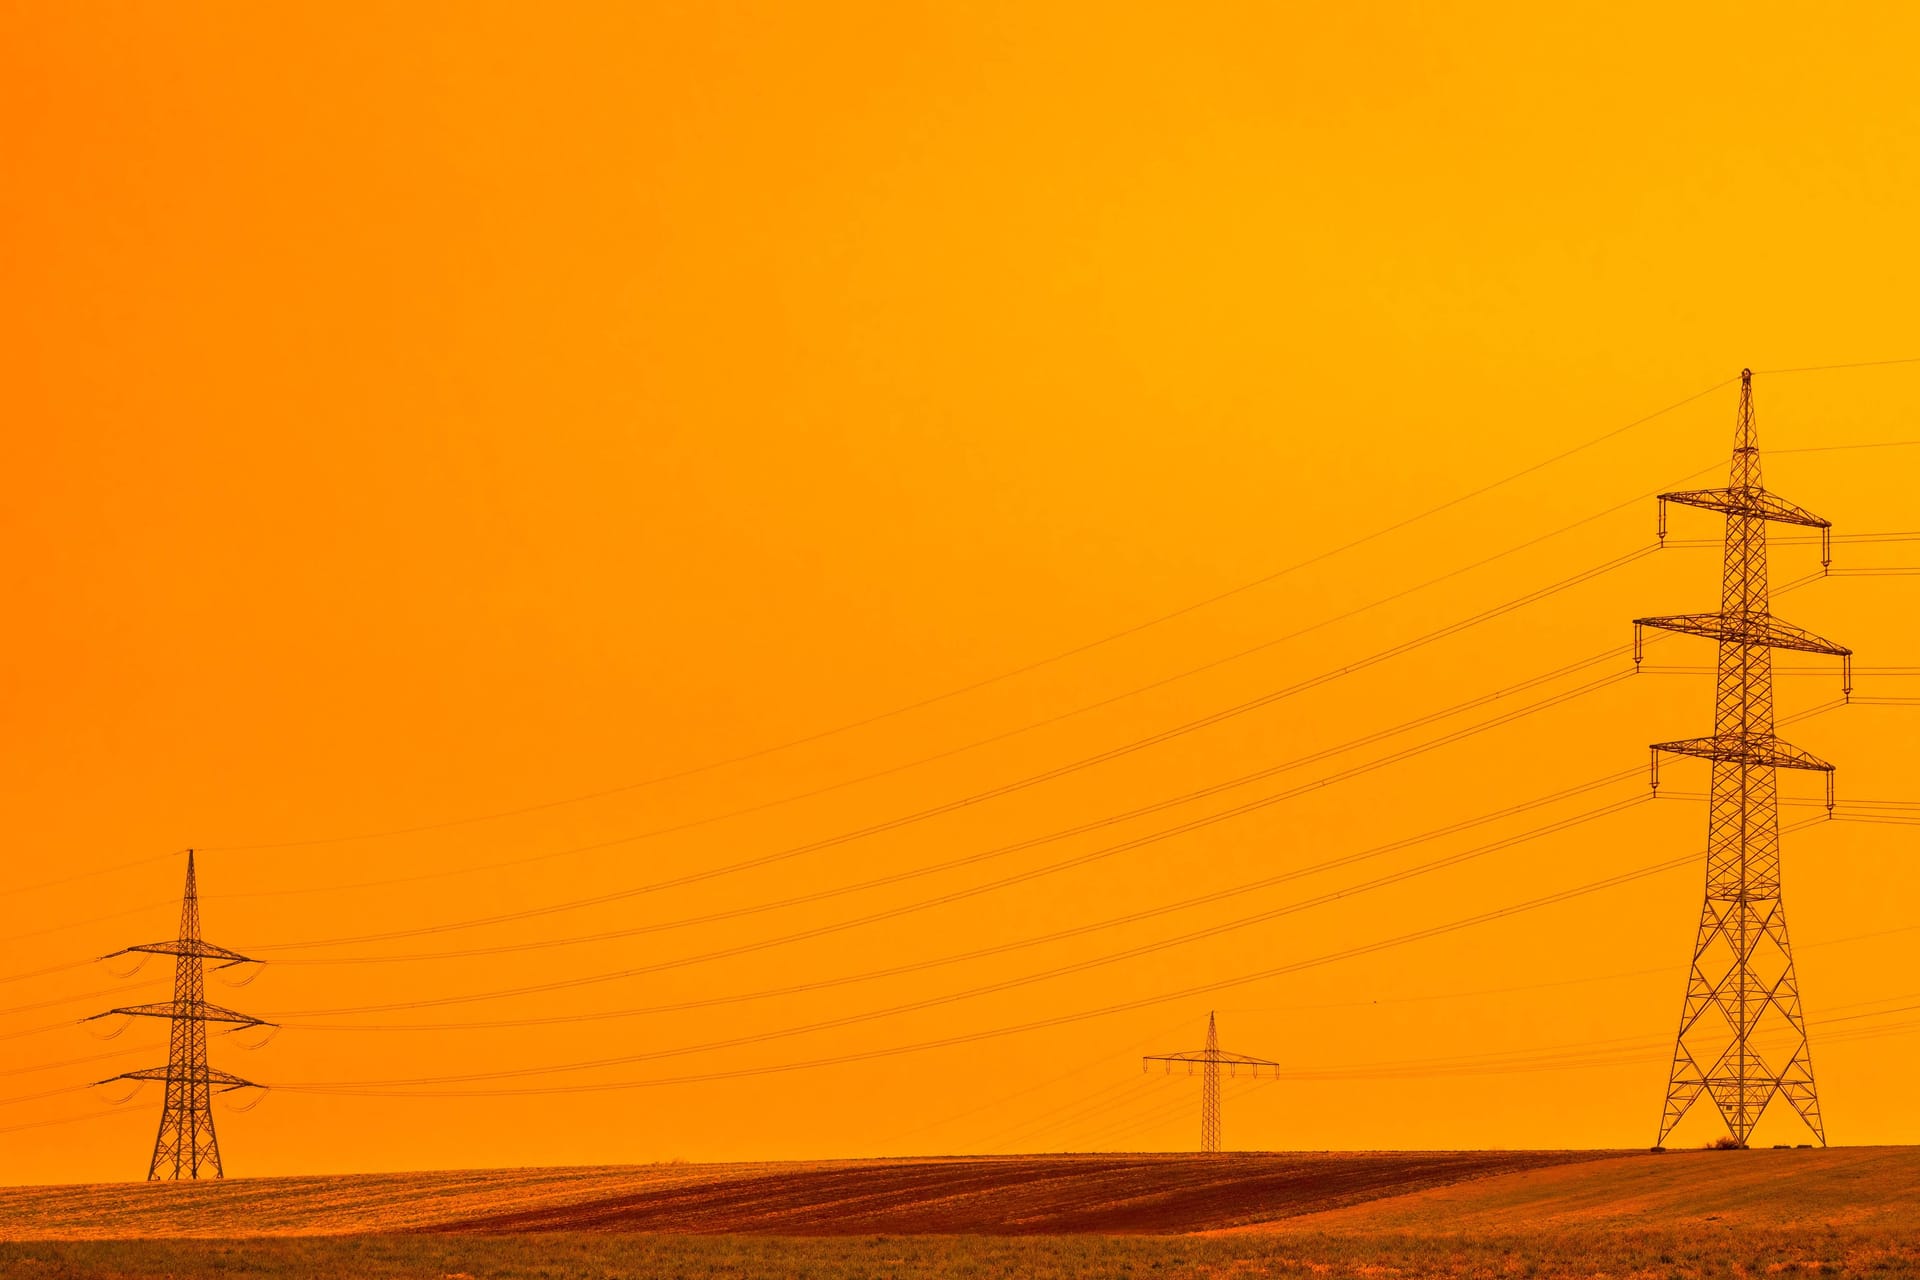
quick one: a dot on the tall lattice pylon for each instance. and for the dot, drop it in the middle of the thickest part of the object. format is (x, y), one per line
(1742, 1038)
(186, 1146)
(1209, 1061)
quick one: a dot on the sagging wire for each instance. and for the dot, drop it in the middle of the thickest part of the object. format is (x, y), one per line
(108, 1031)
(272, 1033)
(1035, 664)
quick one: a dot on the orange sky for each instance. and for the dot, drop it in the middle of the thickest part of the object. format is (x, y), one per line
(419, 416)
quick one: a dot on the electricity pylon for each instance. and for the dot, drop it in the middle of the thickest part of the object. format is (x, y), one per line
(186, 1146)
(1742, 987)
(1210, 1060)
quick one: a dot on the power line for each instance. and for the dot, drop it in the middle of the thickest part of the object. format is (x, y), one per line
(68, 925)
(1822, 368)
(65, 1024)
(1133, 917)
(965, 801)
(43, 972)
(1372, 1069)
(954, 863)
(1849, 448)
(1125, 1051)
(55, 1003)
(1063, 970)
(1541, 986)
(1878, 537)
(387, 1088)
(1108, 1136)
(1556, 1057)
(1701, 669)
(1083, 828)
(1047, 775)
(975, 890)
(1877, 571)
(1100, 1101)
(37, 1067)
(412, 1089)
(100, 871)
(1886, 570)
(1531, 1056)
(1126, 1123)
(1012, 673)
(1575, 1055)
(1084, 762)
(476, 868)
(61, 1120)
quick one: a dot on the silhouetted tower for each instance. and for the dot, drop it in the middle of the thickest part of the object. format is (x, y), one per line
(186, 1146)
(1742, 992)
(1209, 1060)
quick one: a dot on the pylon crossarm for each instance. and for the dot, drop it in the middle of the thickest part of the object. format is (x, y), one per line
(1750, 628)
(192, 948)
(1759, 752)
(1199, 1057)
(1784, 635)
(198, 1012)
(1747, 502)
(1763, 751)
(1243, 1059)
(225, 1079)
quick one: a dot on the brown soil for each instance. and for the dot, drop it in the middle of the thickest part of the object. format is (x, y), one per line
(1017, 1195)
(1014, 1195)
(1702, 1191)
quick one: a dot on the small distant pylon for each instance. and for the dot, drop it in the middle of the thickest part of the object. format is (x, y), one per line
(1742, 986)
(186, 1146)
(1209, 1060)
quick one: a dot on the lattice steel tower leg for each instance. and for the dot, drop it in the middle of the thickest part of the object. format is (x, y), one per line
(186, 1146)
(1209, 1061)
(1742, 991)
(1210, 1093)
(186, 1141)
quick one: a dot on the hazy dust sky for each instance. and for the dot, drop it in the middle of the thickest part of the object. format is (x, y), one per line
(417, 418)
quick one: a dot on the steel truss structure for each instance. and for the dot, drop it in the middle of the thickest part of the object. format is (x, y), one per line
(1742, 1038)
(1209, 1061)
(186, 1146)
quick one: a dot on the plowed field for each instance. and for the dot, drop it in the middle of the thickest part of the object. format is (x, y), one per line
(1704, 1192)
(1384, 1216)
(1015, 1195)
